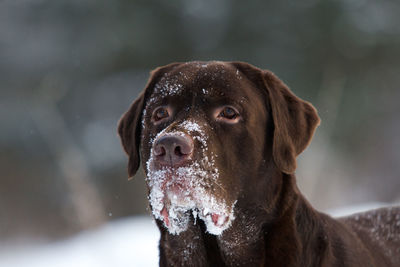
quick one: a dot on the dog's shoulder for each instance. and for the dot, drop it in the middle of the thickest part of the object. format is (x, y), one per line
(379, 222)
(380, 228)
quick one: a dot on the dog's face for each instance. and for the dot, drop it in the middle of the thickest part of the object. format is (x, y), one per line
(208, 134)
(199, 123)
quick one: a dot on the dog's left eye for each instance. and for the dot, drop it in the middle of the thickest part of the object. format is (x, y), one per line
(160, 114)
(228, 114)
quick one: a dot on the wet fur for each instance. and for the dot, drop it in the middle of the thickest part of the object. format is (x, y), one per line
(274, 224)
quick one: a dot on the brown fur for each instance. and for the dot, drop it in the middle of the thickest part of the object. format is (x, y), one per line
(274, 224)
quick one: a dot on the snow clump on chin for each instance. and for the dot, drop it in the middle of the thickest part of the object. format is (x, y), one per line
(178, 193)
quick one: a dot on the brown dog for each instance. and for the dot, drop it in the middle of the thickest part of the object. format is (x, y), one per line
(218, 142)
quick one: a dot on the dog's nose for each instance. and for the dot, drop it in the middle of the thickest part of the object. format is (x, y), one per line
(173, 150)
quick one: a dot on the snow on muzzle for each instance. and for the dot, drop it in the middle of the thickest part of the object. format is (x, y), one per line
(176, 193)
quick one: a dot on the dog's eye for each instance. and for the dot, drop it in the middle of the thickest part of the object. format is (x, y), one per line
(228, 114)
(160, 114)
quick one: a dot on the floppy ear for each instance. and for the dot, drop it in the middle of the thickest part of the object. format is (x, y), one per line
(130, 126)
(294, 120)
(129, 130)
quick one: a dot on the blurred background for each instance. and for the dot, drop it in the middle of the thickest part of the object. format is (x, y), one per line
(70, 68)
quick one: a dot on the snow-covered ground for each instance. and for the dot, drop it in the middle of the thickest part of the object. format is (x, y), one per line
(127, 242)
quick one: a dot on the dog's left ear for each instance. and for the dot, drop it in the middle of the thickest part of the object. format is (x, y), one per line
(294, 120)
(130, 124)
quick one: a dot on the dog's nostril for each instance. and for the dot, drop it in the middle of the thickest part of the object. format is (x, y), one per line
(159, 151)
(185, 148)
(178, 151)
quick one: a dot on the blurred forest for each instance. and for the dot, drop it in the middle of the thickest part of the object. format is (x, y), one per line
(70, 68)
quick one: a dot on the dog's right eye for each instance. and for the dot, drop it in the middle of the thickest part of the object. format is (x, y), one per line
(160, 114)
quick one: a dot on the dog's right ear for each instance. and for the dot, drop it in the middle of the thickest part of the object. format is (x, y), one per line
(129, 131)
(130, 126)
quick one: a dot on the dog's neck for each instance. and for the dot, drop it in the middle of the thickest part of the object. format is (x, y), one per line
(293, 232)
(276, 235)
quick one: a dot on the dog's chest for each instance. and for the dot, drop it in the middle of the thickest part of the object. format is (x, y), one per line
(242, 243)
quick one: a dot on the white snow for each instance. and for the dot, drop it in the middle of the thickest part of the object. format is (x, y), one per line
(125, 242)
(351, 209)
(195, 178)
(192, 126)
(167, 86)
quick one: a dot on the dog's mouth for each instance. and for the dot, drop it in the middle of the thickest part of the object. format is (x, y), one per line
(176, 219)
(179, 197)
(180, 202)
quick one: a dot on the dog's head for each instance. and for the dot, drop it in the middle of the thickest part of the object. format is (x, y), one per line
(212, 134)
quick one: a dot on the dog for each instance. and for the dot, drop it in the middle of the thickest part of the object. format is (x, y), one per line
(218, 143)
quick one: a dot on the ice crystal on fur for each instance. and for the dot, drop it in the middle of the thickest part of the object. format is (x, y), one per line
(167, 86)
(193, 127)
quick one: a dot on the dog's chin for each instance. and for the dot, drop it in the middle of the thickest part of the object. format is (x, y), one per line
(179, 211)
(178, 197)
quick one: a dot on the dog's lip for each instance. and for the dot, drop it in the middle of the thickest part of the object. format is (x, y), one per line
(165, 215)
(218, 219)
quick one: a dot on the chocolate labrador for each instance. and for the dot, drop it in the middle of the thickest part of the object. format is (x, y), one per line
(218, 143)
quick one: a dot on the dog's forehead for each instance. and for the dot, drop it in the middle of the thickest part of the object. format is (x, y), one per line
(199, 78)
